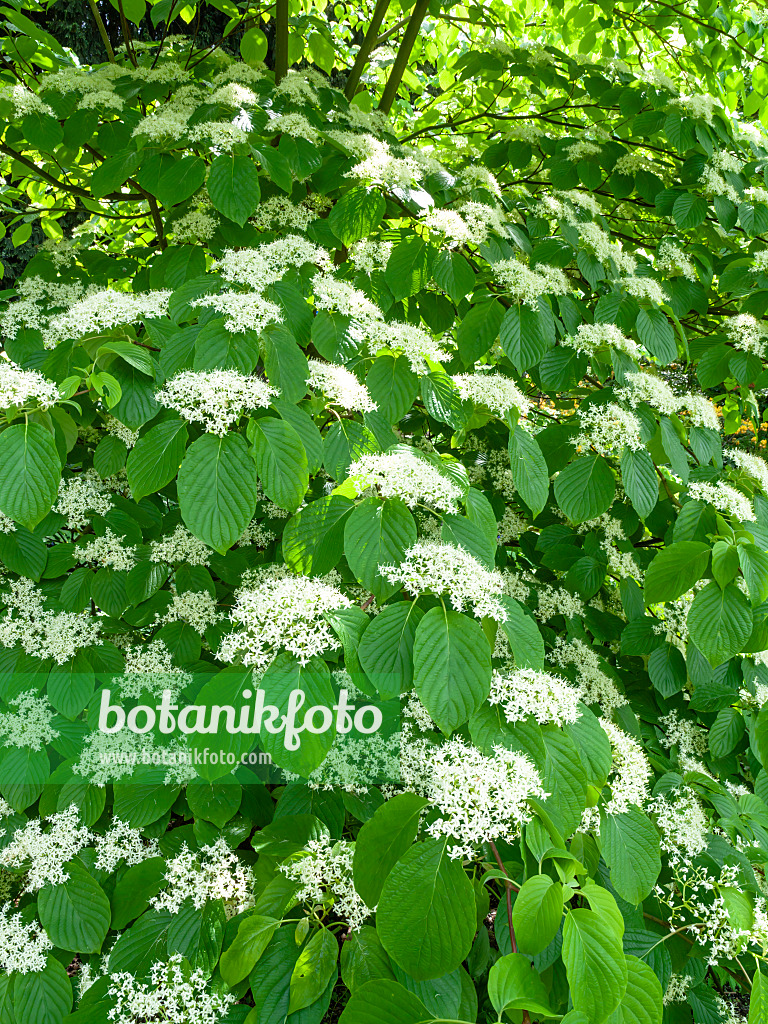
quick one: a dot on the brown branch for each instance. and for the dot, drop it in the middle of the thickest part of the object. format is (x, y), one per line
(75, 190)
(403, 54)
(366, 48)
(281, 40)
(102, 31)
(508, 887)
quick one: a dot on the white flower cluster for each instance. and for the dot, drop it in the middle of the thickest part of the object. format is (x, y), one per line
(608, 429)
(753, 465)
(340, 385)
(122, 843)
(669, 257)
(172, 995)
(213, 873)
(242, 311)
(414, 342)
(197, 607)
(117, 429)
(106, 550)
(598, 687)
(498, 393)
(149, 668)
(43, 855)
(23, 944)
(325, 869)
(443, 569)
(747, 333)
(525, 692)
(589, 338)
(216, 399)
(724, 498)
(404, 474)
(81, 495)
(180, 546)
(103, 310)
(630, 772)
(23, 387)
(30, 725)
(479, 798)
(681, 822)
(40, 632)
(260, 267)
(280, 612)
(526, 284)
(646, 387)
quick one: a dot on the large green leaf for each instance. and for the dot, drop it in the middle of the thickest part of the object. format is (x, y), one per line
(218, 488)
(674, 571)
(42, 997)
(378, 533)
(758, 1002)
(357, 213)
(642, 1002)
(313, 540)
(251, 940)
(451, 666)
(30, 470)
(630, 843)
(233, 185)
(537, 913)
(720, 622)
(426, 913)
(75, 913)
(514, 984)
(595, 963)
(585, 488)
(640, 481)
(313, 970)
(281, 462)
(529, 469)
(382, 841)
(523, 634)
(156, 457)
(386, 649)
(382, 1001)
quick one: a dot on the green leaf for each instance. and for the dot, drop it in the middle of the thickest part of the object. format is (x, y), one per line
(529, 469)
(454, 275)
(251, 940)
(110, 455)
(409, 266)
(218, 489)
(758, 1001)
(720, 622)
(640, 480)
(363, 959)
(478, 330)
(284, 362)
(392, 384)
(595, 963)
(526, 334)
(384, 1002)
(426, 913)
(357, 213)
(156, 457)
(674, 570)
(689, 211)
(630, 843)
(233, 186)
(451, 666)
(285, 675)
(42, 997)
(30, 470)
(181, 180)
(218, 347)
(514, 984)
(525, 639)
(754, 565)
(537, 913)
(313, 540)
(281, 462)
(378, 533)
(313, 970)
(75, 913)
(382, 841)
(585, 488)
(656, 333)
(642, 1002)
(386, 649)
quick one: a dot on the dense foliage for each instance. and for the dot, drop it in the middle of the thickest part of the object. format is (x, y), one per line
(450, 403)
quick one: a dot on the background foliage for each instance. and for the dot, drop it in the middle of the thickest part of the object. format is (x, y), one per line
(416, 351)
